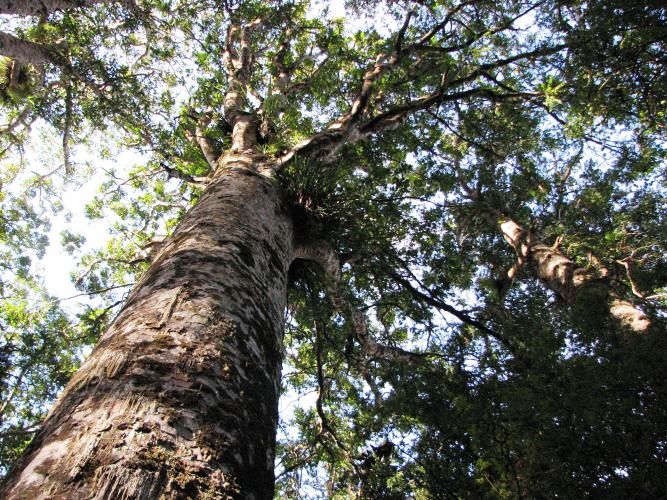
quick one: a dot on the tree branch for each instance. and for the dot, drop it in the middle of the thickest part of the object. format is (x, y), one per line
(94, 292)
(394, 117)
(398, 44)
(67, 129)
(329, 261)
(200, 140)
(430, 299)
(448, 17)
(42, 7)
(23, 50)
(348, 129)
(566, 279)
(177, 174)
(325, 426)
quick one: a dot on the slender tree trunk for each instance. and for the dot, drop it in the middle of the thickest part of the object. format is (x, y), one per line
(179, 398)
(573, 284)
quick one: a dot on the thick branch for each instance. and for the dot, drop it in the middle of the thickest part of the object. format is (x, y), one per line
(322, 254)
(282, 73)
(329, 261)
(199, 139)
(233, 101)
(568, 280)
(245, 62)
(41, 7)
(44, 7)
(22, 50)
(557, 270)
(238, 65)
(323, 145)
(349, 129)
(206, 147)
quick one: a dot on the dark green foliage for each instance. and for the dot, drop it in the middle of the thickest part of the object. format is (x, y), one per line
(557, 419)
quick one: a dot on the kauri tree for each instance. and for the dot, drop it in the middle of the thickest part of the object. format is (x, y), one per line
(443, 220)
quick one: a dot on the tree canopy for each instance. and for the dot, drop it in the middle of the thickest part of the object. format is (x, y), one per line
(484, 182)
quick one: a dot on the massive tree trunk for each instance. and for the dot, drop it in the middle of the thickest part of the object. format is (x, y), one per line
(179, 399)
(573, 284)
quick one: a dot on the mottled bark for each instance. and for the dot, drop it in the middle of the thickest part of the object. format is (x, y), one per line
(575, 285)
(179, 399)
(41, 7)
(22, 50)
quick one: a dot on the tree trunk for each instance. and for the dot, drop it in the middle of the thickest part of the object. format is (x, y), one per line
(179, 399)
(573, 284)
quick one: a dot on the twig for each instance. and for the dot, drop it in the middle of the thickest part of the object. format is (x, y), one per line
(94, 292)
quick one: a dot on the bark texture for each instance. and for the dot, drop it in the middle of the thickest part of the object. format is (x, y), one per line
(573, 284)
(179, 399)
(41, 7)
(22, 50)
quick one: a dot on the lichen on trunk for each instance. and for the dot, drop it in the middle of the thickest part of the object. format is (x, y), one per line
(179, 398)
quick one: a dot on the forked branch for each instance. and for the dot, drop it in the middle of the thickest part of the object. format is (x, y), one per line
(322, 254)
(200, 139)
(568, 280)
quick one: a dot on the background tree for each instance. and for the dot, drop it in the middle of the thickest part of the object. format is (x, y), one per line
(465, 205)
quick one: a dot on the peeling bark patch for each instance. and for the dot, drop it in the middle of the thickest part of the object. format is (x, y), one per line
(119, 481)
(108, 364)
